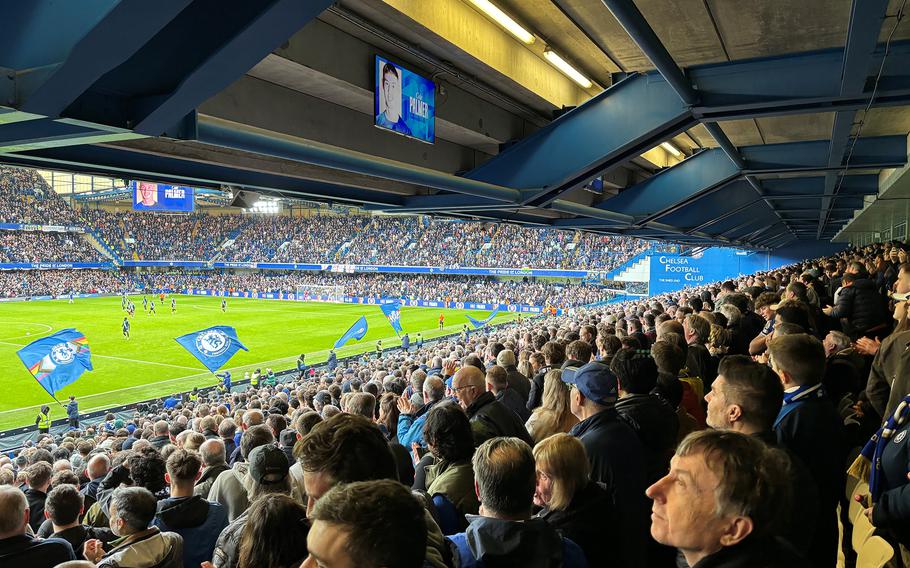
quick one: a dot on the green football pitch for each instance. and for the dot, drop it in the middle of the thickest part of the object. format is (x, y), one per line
(151, 364)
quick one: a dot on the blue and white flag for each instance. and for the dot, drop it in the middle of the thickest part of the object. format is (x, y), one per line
(357, 331)
(480, 323)
(213, 346)
(57, 360)
(393, 314)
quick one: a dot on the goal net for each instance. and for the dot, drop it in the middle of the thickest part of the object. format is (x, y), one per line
(316, 293)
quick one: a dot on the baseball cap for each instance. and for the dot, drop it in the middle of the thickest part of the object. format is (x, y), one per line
(268, 464)
(595, 381)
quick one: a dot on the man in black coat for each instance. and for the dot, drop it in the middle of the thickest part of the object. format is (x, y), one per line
(38, 477)
(498, 384)
(489, 417)
(517, 382)
(860, 308)
(809, 426)
(614, 450)
(554, 354)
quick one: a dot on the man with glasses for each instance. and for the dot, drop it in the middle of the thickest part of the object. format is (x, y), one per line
(489, 417)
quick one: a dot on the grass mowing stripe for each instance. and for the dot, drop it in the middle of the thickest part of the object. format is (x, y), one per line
(275, 331)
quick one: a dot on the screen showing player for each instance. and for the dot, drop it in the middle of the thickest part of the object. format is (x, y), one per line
(404, 102)
(151, 196)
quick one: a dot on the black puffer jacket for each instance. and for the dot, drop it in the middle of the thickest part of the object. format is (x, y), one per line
(860, 308)
(657, 427)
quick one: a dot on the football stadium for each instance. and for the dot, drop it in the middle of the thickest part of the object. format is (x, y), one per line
(455, 284)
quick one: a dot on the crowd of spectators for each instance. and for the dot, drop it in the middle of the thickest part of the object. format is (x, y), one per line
(30, 283)
(705, 428)
(26, 198)
(40, 246)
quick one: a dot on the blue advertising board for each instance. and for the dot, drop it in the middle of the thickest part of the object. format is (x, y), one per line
(150, 196)
(404, 102)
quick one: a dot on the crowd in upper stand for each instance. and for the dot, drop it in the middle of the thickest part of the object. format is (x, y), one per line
(346, 239)
(707, 428)
(39, 246)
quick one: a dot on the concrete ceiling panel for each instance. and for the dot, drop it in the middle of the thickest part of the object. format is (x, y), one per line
(796, 128)
(742, 132)
(685, 29)
(773, 27)
(700, 134)
(885, 121)
(594, 16)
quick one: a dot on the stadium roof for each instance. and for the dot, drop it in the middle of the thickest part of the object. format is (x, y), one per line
(785, 120)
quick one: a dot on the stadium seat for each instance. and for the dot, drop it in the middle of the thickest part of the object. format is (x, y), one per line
(875, 553)
(862, 531)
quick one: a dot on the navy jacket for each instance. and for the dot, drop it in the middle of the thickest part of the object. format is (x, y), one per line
(72, 409)
(617, 460)
(892, 510)
(198, 521)
(23, 550)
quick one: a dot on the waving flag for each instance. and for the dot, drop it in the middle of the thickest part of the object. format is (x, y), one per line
(393, 314)
(57, 360)
(357, 331)
(213, 346)
(480, 323)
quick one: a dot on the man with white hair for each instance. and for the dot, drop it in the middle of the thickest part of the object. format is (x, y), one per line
(17, 548)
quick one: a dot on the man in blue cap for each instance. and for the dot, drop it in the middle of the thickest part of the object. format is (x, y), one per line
(614, 450)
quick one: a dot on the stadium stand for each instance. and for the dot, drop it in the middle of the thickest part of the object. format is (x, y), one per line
(783, 418)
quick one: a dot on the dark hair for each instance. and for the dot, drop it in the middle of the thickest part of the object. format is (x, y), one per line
(579, 350)
(506, 476)
(385, 523)
(255, 436)
(668, 357)
(754, 388)
(800, 355)
(64, 504)
(183, 465)
(389, 68)
(38, 474)
(448, 429)
(554, 352)
(147, 469)
(347, 448)
(635, 369)
(275, 533)
(136, 506)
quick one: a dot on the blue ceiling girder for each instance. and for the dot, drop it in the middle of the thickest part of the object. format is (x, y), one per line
(694, 177)
(629, 118)
(866, 18)
(794, 187)
(803, 83)
(793, 157)
(125, 29)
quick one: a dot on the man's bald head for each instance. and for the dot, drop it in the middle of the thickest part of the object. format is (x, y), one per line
(212, 452)
(13, 507)
(98, 466)
(161, 428)
(468, 383)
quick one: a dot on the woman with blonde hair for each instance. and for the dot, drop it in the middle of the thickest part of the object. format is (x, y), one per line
(554, 414)
(580, 509)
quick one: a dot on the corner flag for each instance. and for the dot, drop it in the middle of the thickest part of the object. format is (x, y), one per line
(393, 314)
(57, 360)
(213, 346)
(480, 323)
(356, 331)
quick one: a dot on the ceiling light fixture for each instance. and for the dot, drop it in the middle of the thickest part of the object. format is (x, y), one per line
(671, 148)
(570, 71)
(504, 20)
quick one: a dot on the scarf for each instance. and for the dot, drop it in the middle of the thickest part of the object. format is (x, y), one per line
(793, 399)
(868, 464)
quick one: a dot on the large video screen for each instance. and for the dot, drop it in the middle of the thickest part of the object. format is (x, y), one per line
(405, 102)
(150, 196)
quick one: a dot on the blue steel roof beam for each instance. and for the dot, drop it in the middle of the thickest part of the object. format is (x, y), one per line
(732, 231)
(46, 133)
(622, 122)
(873, 153)
(279, 20)
(866, 18)
(808, 82)
(120, 162)
(113, 40)
(676, 187)
(441, 203)
(231, 135)
(803, 187)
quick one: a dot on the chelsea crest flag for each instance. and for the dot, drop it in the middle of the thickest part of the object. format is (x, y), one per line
(393, 314)
(57, 360)
(213, 346)
(480, 323)
(356, 331)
